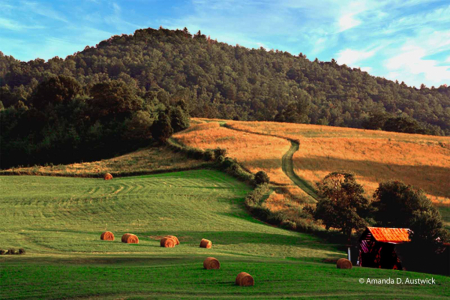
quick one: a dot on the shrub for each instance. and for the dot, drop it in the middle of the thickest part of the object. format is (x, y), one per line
(208, 155)
(11, 251)
(220, 159)
(288, 224)
(261, 177)
(2, 252)
(220, 152)
(22, 251)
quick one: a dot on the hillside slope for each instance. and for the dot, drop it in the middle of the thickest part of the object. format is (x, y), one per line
(232, 82)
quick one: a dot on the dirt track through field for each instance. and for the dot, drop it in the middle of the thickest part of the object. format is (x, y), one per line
(288, 168)
(287, 163)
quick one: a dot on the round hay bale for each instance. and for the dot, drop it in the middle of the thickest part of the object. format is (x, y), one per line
(22, 251)
(343, 263)
(107, 236)
(108, 176)
(204, 243)
(124, 237)
(244, 279)
(2, 252)
(130, 239)
(177, 242)
(211, 263)
(167, 242)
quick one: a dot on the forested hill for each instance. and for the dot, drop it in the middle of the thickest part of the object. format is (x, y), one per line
(233, 82)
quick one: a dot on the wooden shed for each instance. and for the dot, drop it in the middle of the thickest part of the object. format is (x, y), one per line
(377, 247)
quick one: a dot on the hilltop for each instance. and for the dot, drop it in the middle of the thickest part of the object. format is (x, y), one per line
(218, 80)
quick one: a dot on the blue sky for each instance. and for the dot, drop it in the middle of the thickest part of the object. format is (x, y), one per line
(407, 40)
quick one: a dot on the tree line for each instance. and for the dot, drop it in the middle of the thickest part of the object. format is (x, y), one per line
(64, 122)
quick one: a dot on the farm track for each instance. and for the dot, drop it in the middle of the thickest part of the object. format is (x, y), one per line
(287, 163)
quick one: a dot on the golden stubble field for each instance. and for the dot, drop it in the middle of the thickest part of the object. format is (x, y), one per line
(255, 152)
(374, 156)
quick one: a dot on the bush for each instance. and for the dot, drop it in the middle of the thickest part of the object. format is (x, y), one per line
(22, 251)
(12, 251)
(255, 197)
(208, 155)
(220, 159)
(2, 252)
(227, 162)
(261, 177)
(288, 224)
(220, 152)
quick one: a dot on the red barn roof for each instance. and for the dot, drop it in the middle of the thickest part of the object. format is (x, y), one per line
(390, 235)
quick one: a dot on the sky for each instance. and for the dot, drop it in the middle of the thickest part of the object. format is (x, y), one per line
(404, 40)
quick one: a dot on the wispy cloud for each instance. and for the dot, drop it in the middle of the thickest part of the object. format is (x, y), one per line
(40, 9)
(411, 60)
(115, 19)
(13, 25)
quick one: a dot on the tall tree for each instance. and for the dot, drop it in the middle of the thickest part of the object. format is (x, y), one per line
(342, 204)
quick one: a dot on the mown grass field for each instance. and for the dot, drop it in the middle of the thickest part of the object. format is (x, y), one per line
(59, 221)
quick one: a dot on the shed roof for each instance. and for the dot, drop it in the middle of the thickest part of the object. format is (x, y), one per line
(390, 235)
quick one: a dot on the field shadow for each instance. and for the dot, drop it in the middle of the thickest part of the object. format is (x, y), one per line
(435, 176)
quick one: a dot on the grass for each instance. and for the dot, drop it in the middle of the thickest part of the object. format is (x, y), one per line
(59, 220)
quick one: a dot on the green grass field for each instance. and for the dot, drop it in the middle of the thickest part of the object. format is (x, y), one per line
(59, 221)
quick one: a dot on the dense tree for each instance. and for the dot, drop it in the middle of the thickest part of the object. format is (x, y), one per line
(55, 90)
(401, 206)
(342, 204)
(114, 99)
(162, 128)
(179, 119)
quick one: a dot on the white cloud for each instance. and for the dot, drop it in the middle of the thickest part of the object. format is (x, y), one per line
(350, 57)
(411, 67)
(366, 69)
(448, 59)
(348, 21)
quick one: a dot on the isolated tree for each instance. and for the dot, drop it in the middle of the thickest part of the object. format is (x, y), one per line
(401, 206)
(342, 204)
(261, 177)
(161, 129)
